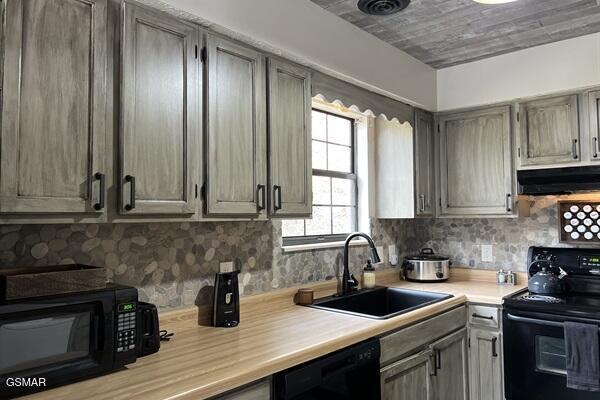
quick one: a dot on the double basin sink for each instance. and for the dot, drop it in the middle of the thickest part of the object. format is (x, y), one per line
(380, 302)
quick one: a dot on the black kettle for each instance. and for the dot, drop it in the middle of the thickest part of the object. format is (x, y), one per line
(545, 282)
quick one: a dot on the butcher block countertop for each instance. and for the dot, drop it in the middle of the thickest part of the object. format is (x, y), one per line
(274, 334)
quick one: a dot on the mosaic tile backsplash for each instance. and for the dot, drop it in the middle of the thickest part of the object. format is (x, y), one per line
(173, 264)
(461, 239)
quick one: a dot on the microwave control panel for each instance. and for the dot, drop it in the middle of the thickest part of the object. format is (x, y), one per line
(126, 327)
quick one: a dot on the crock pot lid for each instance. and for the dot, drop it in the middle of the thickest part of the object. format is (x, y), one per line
(427, 257)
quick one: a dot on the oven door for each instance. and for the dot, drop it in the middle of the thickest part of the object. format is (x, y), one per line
(534, 357)
(54, 341)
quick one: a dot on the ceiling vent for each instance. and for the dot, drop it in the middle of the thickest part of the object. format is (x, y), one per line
(382, 7)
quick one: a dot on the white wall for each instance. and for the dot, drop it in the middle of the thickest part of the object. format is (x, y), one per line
(302, 29)
(554, 67)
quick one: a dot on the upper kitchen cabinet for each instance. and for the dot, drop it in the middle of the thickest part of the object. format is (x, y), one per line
(594, 115)
(476, 175)
(290, 168)
(53, 108)
(235, 131)
(549, 131)
(159, 115)
(424, 166)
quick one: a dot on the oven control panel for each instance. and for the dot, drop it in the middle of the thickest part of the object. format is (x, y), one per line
(591, 263)
(126, 327)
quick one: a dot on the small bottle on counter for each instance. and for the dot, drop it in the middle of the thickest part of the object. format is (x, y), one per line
(368, 278)
(501, 277)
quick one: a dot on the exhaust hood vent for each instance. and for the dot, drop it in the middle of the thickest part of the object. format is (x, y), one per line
(559, 180)
(382, 7)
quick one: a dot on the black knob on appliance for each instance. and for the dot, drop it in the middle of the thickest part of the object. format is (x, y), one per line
(439, 275)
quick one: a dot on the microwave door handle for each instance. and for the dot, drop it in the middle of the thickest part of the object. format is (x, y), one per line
(536, 321)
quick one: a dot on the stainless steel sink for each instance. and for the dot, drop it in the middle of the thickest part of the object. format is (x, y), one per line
(380, 302)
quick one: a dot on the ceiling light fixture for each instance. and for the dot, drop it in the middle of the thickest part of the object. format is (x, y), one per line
(493, 1)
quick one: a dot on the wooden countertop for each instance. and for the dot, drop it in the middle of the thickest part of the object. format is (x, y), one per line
(274, 335)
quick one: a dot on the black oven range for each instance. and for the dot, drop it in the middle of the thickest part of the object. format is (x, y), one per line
(535, 361)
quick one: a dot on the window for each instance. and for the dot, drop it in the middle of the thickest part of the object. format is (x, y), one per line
(334, 183)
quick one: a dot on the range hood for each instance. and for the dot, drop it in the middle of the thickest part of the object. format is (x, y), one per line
(559, 180)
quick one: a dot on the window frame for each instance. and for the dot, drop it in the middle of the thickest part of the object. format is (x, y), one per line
(352, 176)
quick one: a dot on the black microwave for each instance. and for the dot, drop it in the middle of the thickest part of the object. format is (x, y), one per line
(55, 340)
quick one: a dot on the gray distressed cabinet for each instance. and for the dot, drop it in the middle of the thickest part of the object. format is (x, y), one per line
(159, 115)
(427, 360)
(476, 163)
(424, 164)
(594, 124)
(235, 135)
(485, 353)
(290, 167)
(53, 107)
(549, 131)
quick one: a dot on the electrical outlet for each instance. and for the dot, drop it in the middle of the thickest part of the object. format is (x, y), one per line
(225, 267)
(392, 250)
(486, 253)
(380, 252)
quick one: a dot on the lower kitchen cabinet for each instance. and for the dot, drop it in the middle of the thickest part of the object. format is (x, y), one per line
(438, 370)
(450, 367)
(408, 379)
(255, 391)
(485, 365)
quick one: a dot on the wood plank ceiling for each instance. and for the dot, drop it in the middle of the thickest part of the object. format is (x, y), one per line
(443, 33)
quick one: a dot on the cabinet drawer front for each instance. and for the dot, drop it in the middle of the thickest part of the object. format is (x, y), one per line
(484, 316)
(399, 343)
(257, 391)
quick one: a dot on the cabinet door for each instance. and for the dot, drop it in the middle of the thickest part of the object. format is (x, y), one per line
(476, 163)
(53, 107)
(290, 167)
(236, 129)
(159, 113)
(450, 379)
(424, 178)
(549, 130)
(485, 365)
(594, 114)
(408, 379)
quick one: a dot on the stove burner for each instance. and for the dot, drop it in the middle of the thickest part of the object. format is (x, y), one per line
(538, 297)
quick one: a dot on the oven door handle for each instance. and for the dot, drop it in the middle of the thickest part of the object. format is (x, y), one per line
(536, 321)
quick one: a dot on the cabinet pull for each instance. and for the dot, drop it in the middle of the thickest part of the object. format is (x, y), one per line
(276, 197)
(438, 359)
(595, 146)
(494, 353)
(475, 315)
(131, 180)
(432, 359)
(260, 197)
(422, 197)
(101, 196)
(508, 202)
(574, 150)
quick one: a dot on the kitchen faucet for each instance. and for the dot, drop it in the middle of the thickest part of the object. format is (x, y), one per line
(349, 282)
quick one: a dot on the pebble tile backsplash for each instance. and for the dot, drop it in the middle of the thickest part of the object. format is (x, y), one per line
(174, 264)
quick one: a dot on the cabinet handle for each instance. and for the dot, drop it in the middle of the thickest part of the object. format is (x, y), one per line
(131, 180)
(276, 197)
(475, 315)
(101, 196)
(422, 197)
(494, 353)
(574, 149)
(260, 197)
(508, 202)
(438, 359)
(595, 146)
(432, 358)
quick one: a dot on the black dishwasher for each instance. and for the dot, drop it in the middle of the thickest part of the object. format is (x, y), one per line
(348, 374)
